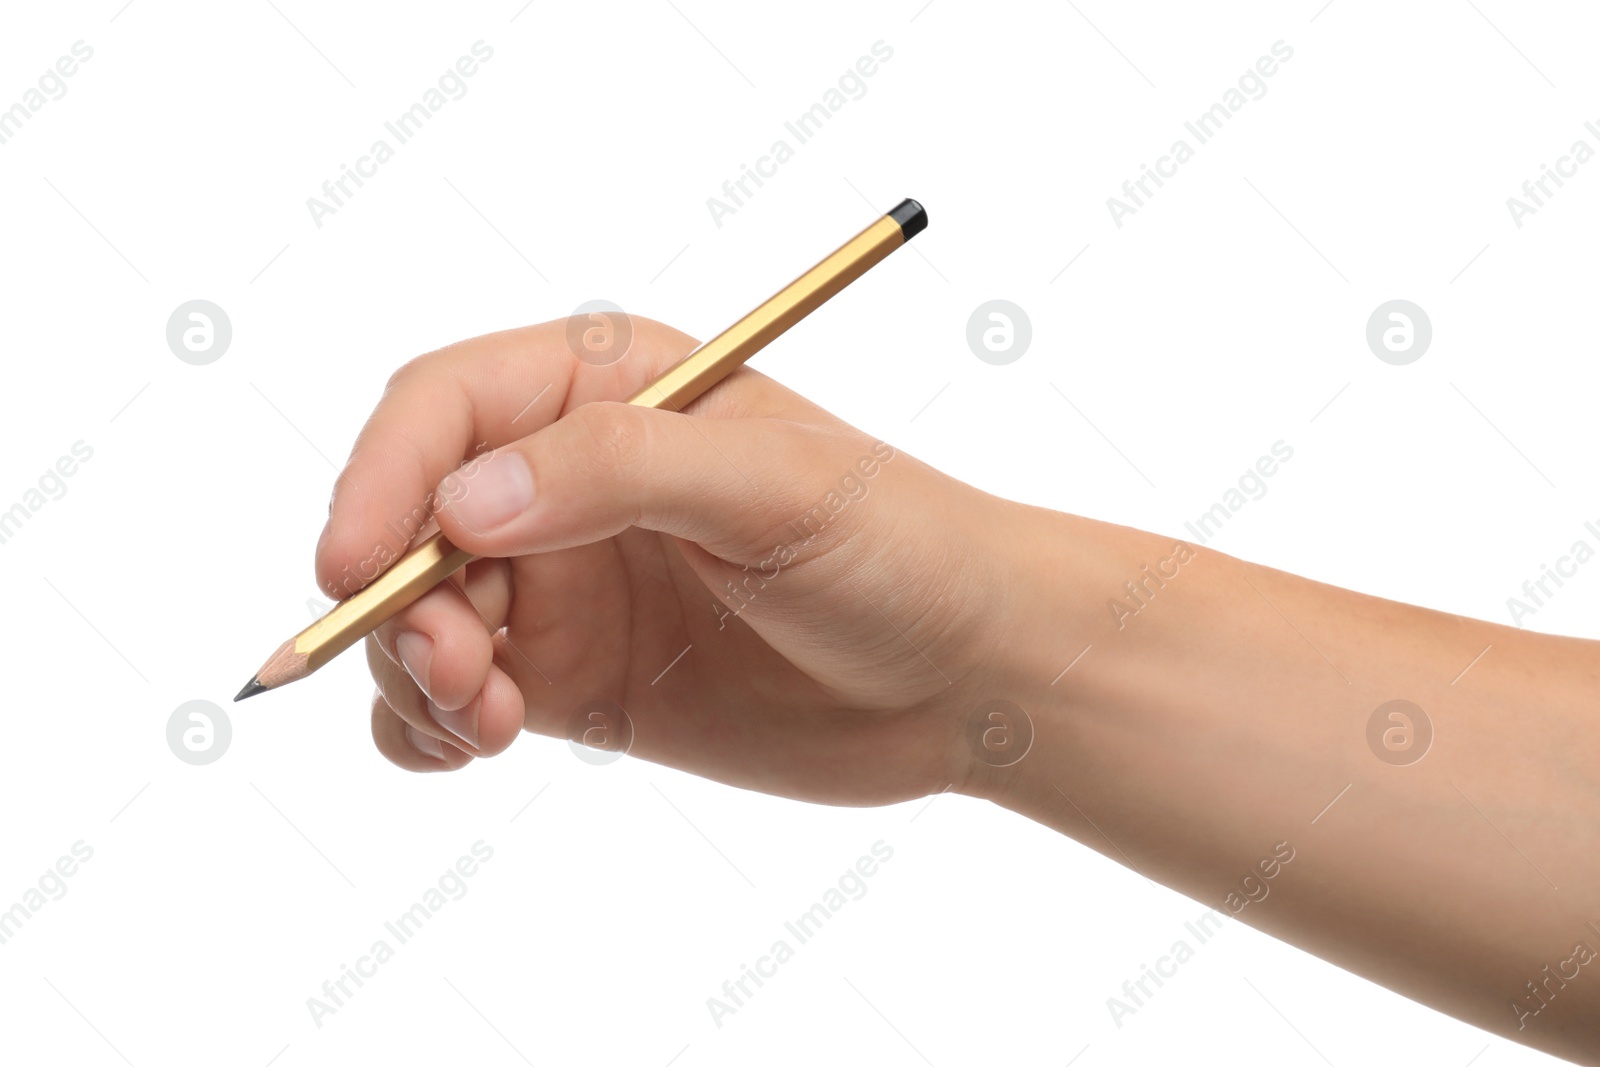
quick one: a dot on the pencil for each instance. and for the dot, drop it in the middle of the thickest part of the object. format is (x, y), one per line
(435, 559)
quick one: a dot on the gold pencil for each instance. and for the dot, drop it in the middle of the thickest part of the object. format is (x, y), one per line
(435, 559)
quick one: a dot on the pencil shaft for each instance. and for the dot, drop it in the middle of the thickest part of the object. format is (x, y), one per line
(718, 357)
(420, 569)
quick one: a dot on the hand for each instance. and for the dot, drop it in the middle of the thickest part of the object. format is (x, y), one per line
(777, 600)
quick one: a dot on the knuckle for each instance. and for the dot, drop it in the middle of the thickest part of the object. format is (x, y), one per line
(415, 370)
(614, 437)
(403, 374)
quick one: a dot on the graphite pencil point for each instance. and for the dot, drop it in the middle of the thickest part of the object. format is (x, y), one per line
(251, 688)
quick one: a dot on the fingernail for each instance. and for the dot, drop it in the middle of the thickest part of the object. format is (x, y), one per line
(462, 723)
(500, 490)
(428, 746)
(416, 653)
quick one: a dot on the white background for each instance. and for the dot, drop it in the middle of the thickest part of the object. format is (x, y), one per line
(1227, 314)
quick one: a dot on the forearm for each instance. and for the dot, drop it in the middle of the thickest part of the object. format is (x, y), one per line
(1219, 721)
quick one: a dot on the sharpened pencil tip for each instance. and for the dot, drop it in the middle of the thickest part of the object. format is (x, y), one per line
(251, 688)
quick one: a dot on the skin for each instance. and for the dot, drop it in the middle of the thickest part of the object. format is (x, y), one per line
(1198, 740)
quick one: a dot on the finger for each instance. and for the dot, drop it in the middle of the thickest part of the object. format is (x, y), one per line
(442, 640)
(442, 408)
(486, 584)
(484, 726)
(572, 628)
(734, 486)
(406, 747)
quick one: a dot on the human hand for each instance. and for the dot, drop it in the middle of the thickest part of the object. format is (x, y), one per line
(776, 600)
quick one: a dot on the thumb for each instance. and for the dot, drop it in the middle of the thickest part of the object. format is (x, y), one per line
(733, 486)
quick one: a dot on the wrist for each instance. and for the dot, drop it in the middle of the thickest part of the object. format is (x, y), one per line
(1092, 609)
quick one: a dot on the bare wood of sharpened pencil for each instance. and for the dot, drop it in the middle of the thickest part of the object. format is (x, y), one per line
(348, 621)
(435, 559)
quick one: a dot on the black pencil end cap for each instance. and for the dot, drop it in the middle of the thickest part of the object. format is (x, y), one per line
(252, 687)
(912, 217)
